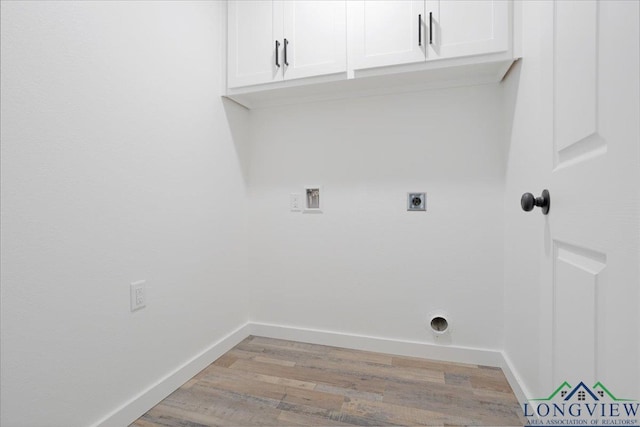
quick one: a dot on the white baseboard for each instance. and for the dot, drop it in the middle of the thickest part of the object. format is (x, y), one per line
(515, 381)
(475, 356)
(147, 399)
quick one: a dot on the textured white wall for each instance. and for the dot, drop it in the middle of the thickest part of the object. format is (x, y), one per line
(366, 265)
(118, 164)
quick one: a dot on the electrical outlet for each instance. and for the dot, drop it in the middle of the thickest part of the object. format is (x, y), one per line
(416, 201)
(138, 295)
(295, 202)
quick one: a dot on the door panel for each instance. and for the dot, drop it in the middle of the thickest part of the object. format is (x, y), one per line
(385, 33)
(253, 28)
(316, 36)
(577, 273)
(469, 27)
(576, 69)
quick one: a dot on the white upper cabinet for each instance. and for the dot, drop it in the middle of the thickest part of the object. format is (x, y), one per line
(463, 28)
(386, 33)
(270, 41)
(253, 28)
(383, 33)
(314, 38)
(288, 51)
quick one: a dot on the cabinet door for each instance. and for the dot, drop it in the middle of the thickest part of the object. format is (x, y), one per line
(252, 29)
(386, 33)
(315, 33)
(473, 27)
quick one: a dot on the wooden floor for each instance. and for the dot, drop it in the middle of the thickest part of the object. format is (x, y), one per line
(264, 381)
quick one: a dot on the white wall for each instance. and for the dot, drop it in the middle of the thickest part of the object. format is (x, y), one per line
(118, 164)
(366, 265)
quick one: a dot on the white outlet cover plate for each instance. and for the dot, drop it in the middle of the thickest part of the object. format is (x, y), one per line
(295, 202)
(138, 295)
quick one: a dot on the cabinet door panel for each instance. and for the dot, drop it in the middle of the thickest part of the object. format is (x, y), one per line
(253, 28)
(469, 27)
(385, 33)
(316, 36)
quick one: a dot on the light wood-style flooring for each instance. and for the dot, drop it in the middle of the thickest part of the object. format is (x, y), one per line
(271, 382)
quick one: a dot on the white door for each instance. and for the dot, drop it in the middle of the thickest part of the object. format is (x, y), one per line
(386, 33)
(253, 29)
(591, 323)
(472, 27)
(314, 38)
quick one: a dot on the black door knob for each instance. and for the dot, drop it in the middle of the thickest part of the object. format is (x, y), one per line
(528, 202)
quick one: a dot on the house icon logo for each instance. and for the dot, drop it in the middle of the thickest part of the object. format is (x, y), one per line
(582, 405)
(581, 392)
